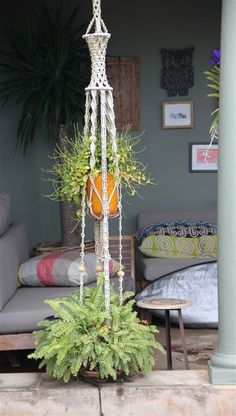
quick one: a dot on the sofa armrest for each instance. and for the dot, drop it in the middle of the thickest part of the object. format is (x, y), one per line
(4, 212)
(13, 251)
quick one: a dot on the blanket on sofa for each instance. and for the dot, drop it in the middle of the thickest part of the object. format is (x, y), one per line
(197, 283)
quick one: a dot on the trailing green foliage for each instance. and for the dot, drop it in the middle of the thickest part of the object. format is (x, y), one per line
(213, 75)
(72, 166)
(45, 70)
(85, 337)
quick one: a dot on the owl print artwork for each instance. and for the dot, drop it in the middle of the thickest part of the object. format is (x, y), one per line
(177, 74)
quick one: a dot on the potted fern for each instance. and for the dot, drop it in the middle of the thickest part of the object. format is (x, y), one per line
(83, 337)
(72, 166)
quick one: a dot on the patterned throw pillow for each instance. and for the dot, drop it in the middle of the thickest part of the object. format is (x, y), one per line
(177, 229)
(60, 268)
(179, 247)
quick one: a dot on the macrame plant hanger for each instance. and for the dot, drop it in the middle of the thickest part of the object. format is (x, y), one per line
(100, 125)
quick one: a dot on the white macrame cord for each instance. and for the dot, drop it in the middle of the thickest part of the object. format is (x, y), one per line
(100, 125)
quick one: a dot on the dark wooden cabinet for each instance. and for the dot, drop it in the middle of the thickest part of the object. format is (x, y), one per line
(123, 76)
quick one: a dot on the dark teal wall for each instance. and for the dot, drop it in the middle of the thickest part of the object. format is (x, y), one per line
(138, 28)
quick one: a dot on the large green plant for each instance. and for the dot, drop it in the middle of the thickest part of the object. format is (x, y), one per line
(85, 337)
(45, 70)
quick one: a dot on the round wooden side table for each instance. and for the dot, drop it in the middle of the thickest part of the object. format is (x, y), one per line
(167, 304)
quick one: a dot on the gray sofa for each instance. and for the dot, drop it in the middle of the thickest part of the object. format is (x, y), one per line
(149, 269)
(22, 307)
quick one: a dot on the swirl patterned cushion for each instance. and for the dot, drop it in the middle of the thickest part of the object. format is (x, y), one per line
(164, 246)
(189, 229)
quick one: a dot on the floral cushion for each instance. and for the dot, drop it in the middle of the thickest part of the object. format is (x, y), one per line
(60, 268)
(179, 247)
(177, 229)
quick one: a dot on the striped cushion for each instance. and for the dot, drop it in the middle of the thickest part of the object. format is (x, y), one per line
(60, 268)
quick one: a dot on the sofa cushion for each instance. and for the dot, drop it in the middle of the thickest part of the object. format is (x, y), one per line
(200, 214)
(4, 211)
(27, 307)
(154, 268)
(166, 246)
(60, 268)
(189, 229)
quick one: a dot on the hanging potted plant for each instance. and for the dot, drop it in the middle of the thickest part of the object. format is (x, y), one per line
(93, 329)
(83, 337)
(72, 166)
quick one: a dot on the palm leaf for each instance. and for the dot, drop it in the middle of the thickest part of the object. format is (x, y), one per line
(217, 95)
(215, 87)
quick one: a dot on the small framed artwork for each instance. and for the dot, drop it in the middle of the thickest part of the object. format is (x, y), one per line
(177, 114)
(203, 157)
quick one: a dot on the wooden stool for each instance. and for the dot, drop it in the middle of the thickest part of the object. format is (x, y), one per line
(167, 304)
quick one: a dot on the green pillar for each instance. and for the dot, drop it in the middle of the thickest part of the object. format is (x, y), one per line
(222, 366)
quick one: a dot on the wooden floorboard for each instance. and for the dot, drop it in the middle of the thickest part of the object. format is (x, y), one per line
(10, 342)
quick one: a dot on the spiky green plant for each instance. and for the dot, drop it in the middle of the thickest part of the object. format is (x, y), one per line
(213, 75)
(45, 69)
(72, 166)
(84, 337)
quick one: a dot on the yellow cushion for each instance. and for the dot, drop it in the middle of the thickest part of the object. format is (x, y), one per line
(179, 247)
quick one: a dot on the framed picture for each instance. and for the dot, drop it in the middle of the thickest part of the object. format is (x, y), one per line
(203, 157)
(177, 114)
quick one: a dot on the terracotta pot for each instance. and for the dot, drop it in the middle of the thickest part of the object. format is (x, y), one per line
(91, 374)
(96, 208)
(94, 376)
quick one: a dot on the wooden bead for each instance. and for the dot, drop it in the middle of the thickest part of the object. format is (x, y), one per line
(93, 139)
(98, 268)
(81, 268)
(120, 273)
